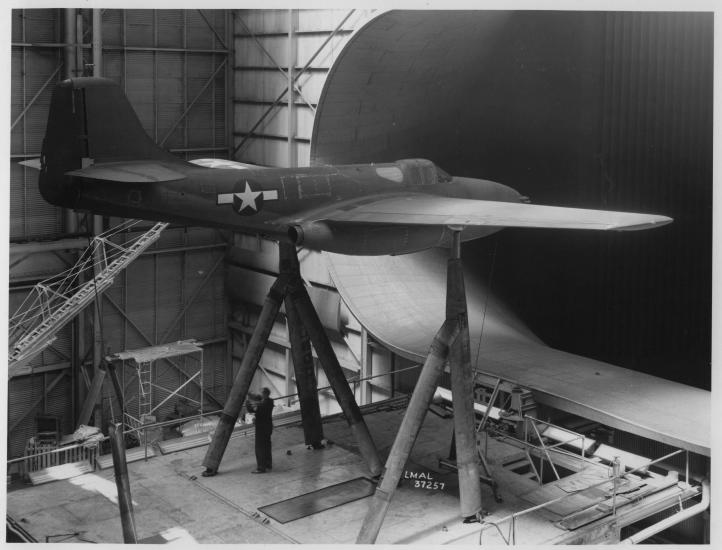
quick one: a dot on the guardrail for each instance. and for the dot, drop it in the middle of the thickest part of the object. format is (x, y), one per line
(510, 539)
(43, 455)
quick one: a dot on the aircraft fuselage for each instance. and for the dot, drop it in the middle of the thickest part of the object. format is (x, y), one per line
(271, 201)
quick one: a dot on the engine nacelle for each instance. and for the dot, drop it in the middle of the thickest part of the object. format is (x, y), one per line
(367, 240)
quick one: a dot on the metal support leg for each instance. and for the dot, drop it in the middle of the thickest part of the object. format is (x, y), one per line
(306, 383)
(110, 370)
(336, 378)
(462, 387)
(408, 431)
(301, 353)
(92, 398)
(245, 374)
(120, 467)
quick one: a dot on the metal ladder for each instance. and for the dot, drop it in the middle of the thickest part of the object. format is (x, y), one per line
(34, 329)
(144, 390)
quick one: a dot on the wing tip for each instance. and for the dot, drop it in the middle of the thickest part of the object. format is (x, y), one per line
(650, 223)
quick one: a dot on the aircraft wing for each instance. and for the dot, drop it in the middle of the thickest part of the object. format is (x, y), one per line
(419, 209)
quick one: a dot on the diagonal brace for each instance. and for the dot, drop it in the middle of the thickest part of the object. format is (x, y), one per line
(192, 103)
(295, 78)
(336, 377)
(232, 409)
(409, 430)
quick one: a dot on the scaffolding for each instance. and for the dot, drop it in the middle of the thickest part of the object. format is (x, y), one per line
(142, 361)
(52, 303)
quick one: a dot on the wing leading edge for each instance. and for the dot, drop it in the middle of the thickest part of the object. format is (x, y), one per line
(418, 209)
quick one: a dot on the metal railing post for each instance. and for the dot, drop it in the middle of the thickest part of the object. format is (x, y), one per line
(616, 469)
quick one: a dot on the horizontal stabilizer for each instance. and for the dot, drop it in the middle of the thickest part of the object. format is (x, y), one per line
(420, 209)
(31, 163)
(128, 172)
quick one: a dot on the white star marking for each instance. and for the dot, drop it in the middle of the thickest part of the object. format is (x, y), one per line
(248, 198)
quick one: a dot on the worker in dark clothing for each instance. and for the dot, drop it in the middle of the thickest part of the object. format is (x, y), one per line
(263, 407)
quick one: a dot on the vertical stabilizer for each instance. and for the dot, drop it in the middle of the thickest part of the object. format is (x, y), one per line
(90, 122)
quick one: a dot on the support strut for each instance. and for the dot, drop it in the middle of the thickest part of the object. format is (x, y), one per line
(336, 378)
(462, 386)
(109, 368)
(408, 431)
(303, 366)
(452, 339)
(289, 283)
(122, 483)
(243, 379)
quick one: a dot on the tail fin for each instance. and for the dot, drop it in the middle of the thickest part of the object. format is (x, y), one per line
(90, 122)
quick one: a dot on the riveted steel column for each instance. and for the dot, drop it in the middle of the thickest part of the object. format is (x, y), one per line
(70, 46)
(408, 431)
(336, 378)
(301, 352)
(97, 42)
(70, 70)
(120, 467)
(248, 367)
(462, 386)
(97, 220)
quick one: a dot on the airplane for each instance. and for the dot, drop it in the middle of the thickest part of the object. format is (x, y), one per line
(96, 157)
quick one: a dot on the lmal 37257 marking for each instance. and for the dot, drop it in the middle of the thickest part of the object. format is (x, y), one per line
(424, 480)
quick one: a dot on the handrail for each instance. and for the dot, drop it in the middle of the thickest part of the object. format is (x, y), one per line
(514, 516)
(51, 451)
(553, 447)
(680, 516)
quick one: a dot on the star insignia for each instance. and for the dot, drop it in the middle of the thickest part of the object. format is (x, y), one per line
(247, 199)
(248, 202)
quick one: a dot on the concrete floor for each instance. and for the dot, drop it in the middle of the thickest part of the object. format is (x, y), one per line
(172, 500)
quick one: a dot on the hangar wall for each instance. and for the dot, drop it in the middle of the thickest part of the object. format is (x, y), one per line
(272, 49)
(205, 83)
(174, 66)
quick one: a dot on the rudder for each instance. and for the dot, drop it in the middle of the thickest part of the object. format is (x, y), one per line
(90, 122)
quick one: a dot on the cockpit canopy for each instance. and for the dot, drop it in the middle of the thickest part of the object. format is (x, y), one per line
(414, 172)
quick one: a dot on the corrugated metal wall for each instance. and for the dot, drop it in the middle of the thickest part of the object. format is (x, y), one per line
(173, 65)
(33, 72)
(264, 53)
(638, 138)
(655, 152)
(31, 69)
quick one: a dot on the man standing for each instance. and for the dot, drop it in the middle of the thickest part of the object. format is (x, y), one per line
(264, 427)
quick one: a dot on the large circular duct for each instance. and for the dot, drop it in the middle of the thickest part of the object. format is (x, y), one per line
(591, 109)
